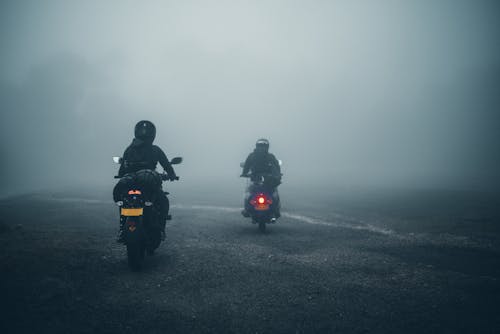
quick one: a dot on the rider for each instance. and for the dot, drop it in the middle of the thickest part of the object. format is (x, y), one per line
(260, 161)
(142, 155)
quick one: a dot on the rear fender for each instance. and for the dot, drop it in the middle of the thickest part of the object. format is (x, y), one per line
(133, 229)
(259, 217)
(151, 218)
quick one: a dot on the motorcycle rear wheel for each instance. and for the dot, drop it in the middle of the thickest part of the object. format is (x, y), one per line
(135, 256)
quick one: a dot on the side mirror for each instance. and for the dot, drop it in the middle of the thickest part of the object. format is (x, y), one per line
(117, 160)
(242, 164)
(176, 161)
(280, 162)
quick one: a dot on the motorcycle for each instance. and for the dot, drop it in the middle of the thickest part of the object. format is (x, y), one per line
(261, 199)
(140, 217)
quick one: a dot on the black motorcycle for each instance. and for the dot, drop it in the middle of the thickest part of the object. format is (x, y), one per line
(262, 199)
(139, 216)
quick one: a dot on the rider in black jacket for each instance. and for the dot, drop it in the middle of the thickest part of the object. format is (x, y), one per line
(260, 161)
(141, 154)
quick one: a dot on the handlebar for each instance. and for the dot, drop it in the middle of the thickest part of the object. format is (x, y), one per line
(164, 177)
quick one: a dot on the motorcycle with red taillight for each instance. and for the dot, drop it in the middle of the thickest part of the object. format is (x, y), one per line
(261, 199)
(140, 220)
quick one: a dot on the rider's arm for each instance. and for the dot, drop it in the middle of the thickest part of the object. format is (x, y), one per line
(276, 165)
(163, 160)
(246, 167)
(123, 169)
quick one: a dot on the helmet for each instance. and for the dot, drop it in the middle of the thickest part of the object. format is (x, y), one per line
(145, 130)
(262, 145)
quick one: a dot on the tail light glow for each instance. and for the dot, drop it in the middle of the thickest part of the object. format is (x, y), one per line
(261, 200)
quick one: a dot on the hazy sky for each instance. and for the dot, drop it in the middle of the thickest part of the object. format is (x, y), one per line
(393, 93)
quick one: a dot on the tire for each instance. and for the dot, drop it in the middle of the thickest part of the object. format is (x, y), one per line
(262, 226)
(135, 256)
(153, 243)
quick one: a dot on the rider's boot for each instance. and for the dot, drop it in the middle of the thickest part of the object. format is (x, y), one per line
(163, 224)
(121, 235)
(276, 215)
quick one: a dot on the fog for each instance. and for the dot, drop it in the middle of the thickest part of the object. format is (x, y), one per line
(352, 93)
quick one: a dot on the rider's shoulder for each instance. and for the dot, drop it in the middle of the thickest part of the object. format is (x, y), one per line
(156, 148)
(270, 155)
(127, 150)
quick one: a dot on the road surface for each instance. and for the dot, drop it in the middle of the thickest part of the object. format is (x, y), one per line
(318, 270)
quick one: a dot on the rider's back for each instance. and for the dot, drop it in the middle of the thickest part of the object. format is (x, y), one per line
(141, 155)
(262, 163)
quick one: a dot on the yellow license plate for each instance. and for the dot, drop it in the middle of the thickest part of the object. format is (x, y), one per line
(131, 212)
(262, 207)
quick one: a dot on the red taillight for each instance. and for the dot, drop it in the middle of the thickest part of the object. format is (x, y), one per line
(261, 200)
(134, 192)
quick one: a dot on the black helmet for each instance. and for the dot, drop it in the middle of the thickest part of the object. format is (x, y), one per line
(262, 145)
(145, 130)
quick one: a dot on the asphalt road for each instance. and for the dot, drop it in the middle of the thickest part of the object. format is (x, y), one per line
(315, 271)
